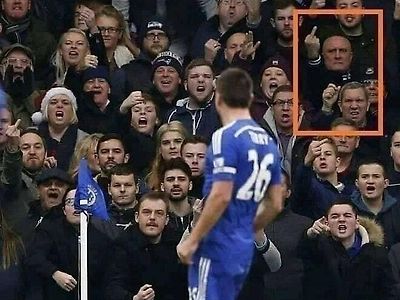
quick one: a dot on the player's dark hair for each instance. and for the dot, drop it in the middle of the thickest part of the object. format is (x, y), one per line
(235, 88)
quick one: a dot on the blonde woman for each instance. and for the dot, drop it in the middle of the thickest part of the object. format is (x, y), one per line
(120, 49)
(169, 139)
(72, 57)
(85, 148)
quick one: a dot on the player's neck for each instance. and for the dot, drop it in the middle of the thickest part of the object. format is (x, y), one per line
(233, 114)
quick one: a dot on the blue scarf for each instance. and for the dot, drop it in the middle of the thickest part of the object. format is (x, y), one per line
(355, 248)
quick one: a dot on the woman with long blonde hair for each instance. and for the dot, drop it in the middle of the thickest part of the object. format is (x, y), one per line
(72, 57)
(169, 139)
(72, 48)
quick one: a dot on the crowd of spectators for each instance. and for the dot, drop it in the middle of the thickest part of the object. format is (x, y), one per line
(129, 85)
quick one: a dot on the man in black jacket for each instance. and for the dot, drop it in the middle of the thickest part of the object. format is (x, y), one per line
(349, 262)
(54, 258)
(97, 111)
(372, 201)
(145, 264)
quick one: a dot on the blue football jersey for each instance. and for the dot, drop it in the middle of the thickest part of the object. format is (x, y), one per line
(244, 153)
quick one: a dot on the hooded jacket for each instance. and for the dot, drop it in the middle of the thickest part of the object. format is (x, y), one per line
(332, 274)
(388, 217)
(294, 153)
(202, 121)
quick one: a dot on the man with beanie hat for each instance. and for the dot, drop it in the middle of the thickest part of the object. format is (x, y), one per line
(154, 38)
(17, 79)
(167, 81)
(274, 73)
(97, 112)
(136, 75)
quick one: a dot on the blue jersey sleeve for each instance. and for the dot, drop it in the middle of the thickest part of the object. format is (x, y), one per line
(275, 168)
(225, 158)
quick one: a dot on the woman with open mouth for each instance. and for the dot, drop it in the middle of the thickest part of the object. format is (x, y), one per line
(59, 127)
(74, 54)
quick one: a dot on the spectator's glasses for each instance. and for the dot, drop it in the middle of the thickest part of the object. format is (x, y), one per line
(24, 62)
(282, 103)
(109, 29)
(153, 36)
(230, 2)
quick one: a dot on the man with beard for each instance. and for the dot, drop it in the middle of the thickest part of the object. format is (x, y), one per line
(28, 160)
(17, 78)
(18, 25)
(197, 112)
(154, 39)
(97, 113)
(176, 184)
(282, 22)
(111, 151)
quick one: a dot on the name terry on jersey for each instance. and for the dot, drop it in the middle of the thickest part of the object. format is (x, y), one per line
(259, 138)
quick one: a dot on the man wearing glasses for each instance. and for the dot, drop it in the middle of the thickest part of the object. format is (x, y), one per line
(17, 79)
(278, 122)
(153, 40)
